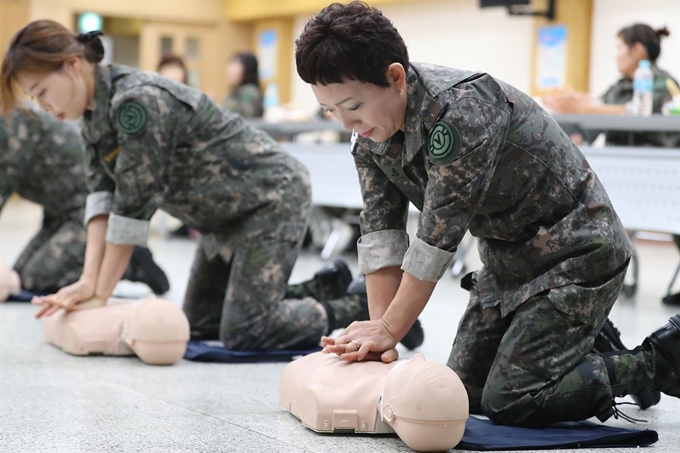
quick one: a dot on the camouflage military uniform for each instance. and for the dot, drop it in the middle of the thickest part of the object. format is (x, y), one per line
(42, 160)
(155, 143)
(479, 155)
(245, 100)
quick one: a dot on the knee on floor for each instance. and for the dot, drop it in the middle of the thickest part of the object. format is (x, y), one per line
(507, 407)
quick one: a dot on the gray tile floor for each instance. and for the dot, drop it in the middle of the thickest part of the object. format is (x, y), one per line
(53, 402)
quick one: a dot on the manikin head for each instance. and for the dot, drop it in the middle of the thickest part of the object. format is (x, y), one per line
(425, 403)
(154, 329)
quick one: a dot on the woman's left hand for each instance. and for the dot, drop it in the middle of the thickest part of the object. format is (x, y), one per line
(363, 340)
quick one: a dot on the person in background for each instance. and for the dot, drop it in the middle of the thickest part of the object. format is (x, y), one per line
(41, 159)
(635, 43)
(245, 95)
(172, 67)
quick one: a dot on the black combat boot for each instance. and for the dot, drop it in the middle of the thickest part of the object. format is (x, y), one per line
(666, 342)
(655, 365)
(413, 338)
(344, 311)
(609, 340)
(143, 268)
(329, 283)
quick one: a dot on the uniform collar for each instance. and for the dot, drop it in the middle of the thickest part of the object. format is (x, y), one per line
(422, 111)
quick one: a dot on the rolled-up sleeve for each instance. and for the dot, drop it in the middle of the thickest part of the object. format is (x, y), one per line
(381, 249)
(383, 218)
(426, 262)
(127, 231)
(456, 187)
(97, 203)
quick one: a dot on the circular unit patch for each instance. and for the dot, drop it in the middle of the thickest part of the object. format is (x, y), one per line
(131, 117)
(443, 142)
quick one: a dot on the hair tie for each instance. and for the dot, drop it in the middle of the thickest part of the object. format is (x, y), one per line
(89, 36)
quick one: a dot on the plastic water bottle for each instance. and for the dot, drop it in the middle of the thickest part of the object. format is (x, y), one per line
(271, 101)
(643, 84)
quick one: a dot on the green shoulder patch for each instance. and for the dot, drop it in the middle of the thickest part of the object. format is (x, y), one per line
(444, 143)
(131, 117)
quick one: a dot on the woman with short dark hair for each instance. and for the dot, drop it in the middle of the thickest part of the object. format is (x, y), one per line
(474, 153)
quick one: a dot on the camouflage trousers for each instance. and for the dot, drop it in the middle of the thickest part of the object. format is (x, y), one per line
(54, 257)
(535, 367)
(241, 300)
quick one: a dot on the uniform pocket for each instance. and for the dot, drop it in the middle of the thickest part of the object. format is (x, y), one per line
(588, 303)
(552, 332)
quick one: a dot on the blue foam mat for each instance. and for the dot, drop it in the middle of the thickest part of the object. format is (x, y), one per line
(23, 296)
(484, 435)
(208, 351)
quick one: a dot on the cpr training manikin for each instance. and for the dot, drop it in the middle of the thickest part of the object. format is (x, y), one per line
(424, 403)
(154, 330)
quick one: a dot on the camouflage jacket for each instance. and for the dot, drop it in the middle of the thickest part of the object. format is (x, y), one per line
(245, 100)
(621, 93)
(41, 159)
(479, 155)
(152, 142)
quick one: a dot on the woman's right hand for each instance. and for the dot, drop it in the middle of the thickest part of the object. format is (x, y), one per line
(67, 297)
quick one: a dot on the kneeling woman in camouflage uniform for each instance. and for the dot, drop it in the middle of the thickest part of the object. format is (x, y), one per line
(474, 153)
(152, 142)
(42, 160)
